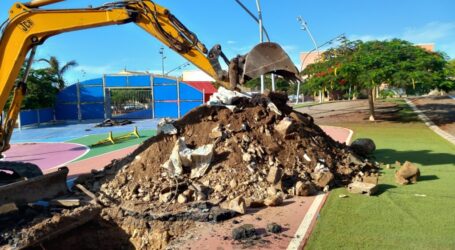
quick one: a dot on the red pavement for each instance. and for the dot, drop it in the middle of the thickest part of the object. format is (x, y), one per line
(98, 162)
(45, 155)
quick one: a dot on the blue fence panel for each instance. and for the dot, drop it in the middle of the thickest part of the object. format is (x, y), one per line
(66, 111)
(165, 92)
(188, 92)
(116, 81)
(96, 81)
(46, 115)
(139, 81)
(29, 117)
(187, 106)
(140, 114)
(69, 94)
(92, 111)
(91, 93)
(166, 109)
(161, 81)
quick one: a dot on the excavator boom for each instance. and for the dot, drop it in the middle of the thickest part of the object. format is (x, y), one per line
(29, 25)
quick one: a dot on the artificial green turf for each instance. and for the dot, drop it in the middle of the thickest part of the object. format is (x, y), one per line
(105, 148)
(399, 217)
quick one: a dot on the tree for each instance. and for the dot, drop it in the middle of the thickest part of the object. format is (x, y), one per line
(40, 92)
(58, 71)
(366, 65)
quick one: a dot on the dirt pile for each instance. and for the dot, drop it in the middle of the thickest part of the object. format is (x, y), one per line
(262, 152)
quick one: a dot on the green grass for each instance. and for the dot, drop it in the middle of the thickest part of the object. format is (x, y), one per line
(105, 148)
(396, 218)
(306, 104)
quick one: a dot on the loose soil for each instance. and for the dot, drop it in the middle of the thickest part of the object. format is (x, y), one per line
(261, 157)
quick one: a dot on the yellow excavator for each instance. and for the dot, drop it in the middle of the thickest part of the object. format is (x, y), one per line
(29, 25)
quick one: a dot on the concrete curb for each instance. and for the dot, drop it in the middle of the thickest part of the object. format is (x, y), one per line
(429, 123)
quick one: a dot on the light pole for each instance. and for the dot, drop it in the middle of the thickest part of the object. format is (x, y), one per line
(304, 26)
(340, 36)
(262, 31)
(162, 60)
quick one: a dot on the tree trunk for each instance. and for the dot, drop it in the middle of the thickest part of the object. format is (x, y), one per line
(371, 103)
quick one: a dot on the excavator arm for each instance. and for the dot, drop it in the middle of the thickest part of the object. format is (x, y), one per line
(29, 26)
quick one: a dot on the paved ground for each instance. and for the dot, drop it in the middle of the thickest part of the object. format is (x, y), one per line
(352, 110)
(69, 131)
(45, 155)
(440, 110)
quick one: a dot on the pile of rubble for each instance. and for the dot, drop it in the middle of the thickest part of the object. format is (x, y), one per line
(112, 123)
(216, 162)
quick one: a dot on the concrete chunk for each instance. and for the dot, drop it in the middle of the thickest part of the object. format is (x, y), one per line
(362, 188)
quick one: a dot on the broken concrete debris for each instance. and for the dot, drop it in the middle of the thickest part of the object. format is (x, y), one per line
(274, 228)
(408, 173)
(363, 146)
(243, 232)
(358, 187)
(218, 162)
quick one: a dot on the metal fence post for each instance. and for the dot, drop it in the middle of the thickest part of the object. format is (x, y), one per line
(19, 119)
(152, 78)
(38, 116)
(178, 97)
(78, 94)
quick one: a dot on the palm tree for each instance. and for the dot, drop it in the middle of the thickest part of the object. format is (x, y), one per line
(57, 71)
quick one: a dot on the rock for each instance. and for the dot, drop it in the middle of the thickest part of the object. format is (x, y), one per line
(304, 189)
(363, 146)
(408, 170)
(408, 173)
(362, 188)
(285, 126)
(182, 199)
(323, 179)
(243, 232)
(274, 175)
(238, 205)
(253, 203)
(233, 183)
(370, 179)
(271, 191)
(273, 200)
(216, 133)
(246, 157)
(274, 228)
(166, 197)
(219, 188)
(159, 239)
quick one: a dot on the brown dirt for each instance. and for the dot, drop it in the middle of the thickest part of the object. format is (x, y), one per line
(130, 189)
(351, 111)
(440, 110)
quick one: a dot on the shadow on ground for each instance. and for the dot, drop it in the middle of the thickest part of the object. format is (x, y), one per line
(422, 157)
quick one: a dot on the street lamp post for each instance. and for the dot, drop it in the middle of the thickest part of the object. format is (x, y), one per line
(262, 31)
(162, 60)
(320, 46)
(304, 26)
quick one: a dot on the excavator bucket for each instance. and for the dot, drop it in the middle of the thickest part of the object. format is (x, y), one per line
(269, 58)
(37, 188)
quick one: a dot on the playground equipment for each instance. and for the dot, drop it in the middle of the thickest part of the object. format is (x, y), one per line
(111, 139)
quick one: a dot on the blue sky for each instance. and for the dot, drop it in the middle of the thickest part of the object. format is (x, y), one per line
(111, 49)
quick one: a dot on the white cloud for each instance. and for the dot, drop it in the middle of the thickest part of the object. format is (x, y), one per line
(430, 32)
(370, 37)
(231, 42)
